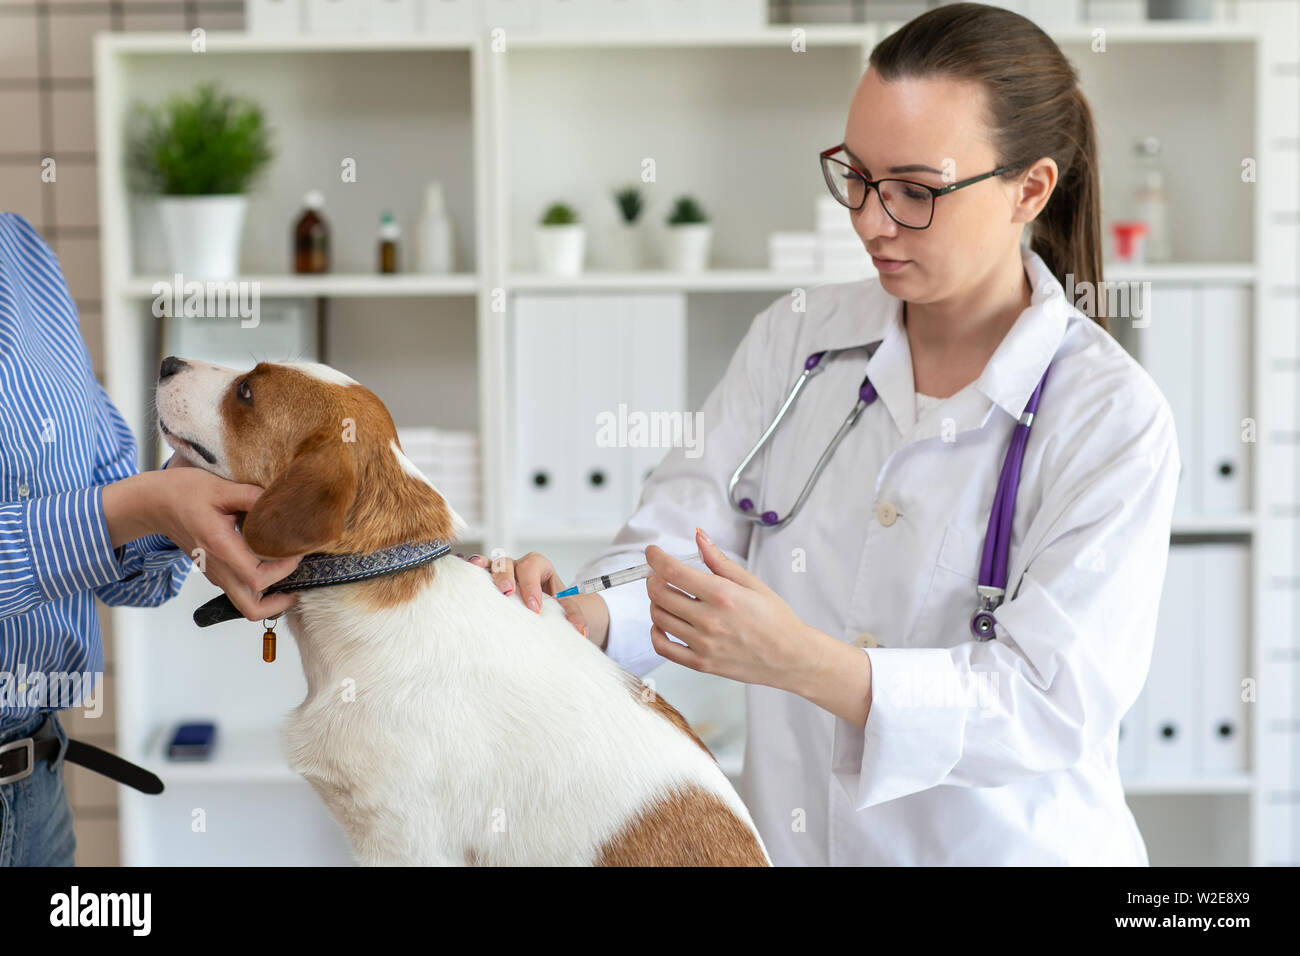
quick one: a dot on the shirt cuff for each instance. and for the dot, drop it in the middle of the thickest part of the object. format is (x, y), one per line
(68, 542)
(914, 731)
(628, 643)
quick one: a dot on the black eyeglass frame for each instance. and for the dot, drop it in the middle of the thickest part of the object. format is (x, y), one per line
(935, 191)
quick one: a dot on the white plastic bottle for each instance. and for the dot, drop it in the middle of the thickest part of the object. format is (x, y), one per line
(433, 235)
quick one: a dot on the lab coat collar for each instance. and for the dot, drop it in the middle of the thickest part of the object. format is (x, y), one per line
(1007, 381)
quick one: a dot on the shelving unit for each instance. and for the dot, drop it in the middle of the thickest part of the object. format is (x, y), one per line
(509, 131)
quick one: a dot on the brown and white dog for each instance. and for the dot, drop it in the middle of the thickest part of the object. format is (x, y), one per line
(480, 733)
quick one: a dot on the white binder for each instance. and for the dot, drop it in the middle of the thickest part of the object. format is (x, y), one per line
(544, 408)
(1172, 697)
(1224, 389)
(595, 371)
(657, 349)
(1168, 350)
(1225, 618)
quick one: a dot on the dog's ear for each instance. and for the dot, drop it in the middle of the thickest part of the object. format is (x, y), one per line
(307, 506)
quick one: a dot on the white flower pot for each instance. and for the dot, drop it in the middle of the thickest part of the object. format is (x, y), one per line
(203, 234)
(627, 246)
(686, 247)
(560, 249)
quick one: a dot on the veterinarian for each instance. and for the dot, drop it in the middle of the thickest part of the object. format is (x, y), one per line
(78, 521)
(888, 723)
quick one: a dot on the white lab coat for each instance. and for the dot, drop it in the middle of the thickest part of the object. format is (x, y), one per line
(974, 753)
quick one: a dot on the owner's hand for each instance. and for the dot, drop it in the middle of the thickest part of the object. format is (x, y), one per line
(197, 509)
(735, 626)
(533, 574)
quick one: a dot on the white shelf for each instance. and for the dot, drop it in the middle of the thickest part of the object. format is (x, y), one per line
(1235, 783)
(233, 41)
(335, 286)
(712, 280)
(241, 755)
(1182, 272)
(1216, 524)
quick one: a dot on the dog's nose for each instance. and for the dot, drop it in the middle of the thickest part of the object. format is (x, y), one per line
(170, 366)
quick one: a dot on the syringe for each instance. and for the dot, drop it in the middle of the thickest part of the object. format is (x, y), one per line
(615, 578)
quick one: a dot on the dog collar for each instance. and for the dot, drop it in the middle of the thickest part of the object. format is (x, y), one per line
(319, 570)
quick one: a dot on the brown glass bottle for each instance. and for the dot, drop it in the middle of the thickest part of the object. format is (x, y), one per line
(311, 238)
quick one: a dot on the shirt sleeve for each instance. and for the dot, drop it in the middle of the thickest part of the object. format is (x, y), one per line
(689, 489)
(149, 570)
(1072, 648)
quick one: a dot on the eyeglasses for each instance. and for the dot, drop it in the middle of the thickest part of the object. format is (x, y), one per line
(909, 204)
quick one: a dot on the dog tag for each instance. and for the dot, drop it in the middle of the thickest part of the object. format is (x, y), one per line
(268, 643)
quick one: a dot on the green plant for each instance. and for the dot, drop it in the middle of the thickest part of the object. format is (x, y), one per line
(204, 143)
(559, 214)
(629, 203)
(686, 211)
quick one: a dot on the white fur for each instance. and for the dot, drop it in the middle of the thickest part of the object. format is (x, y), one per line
(189, 403)
(459, 525)
(477, 726)
(323, 372)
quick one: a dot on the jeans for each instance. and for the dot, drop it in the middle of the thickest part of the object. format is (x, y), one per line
(35, 818)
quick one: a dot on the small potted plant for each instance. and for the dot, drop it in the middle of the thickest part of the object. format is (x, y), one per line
(627, 244)
(686, 245)
(199, 153)
(560, 241)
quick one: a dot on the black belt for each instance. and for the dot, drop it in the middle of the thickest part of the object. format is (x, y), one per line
(18, 759)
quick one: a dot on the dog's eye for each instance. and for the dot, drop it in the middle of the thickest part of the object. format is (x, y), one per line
(245, 393)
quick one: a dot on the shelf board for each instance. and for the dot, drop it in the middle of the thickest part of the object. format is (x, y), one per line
(333, 286)
(1189, 272)
(1215, 524)
(776, 35)
(241, 755)
(1231, 783)
(711, 280)
(237, 41)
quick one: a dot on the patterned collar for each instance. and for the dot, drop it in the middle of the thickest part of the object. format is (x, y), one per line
(318, 570)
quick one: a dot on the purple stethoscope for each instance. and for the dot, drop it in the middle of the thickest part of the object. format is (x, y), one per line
(997, 540)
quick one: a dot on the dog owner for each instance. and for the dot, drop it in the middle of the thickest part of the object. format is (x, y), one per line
(888, 722)
(78, 521)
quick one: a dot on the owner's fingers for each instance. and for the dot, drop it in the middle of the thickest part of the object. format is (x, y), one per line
(503, 575)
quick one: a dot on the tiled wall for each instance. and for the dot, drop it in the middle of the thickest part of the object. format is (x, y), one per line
(47, 111)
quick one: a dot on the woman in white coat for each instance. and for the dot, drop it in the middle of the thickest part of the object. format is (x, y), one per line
(880, 730)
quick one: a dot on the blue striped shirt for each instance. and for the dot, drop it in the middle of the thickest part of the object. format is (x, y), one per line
(61, 441)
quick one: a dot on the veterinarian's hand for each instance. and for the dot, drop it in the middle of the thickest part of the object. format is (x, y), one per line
(533, 574)
(197, 509)
(735, 626)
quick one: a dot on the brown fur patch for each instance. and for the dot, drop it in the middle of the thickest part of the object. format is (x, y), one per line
(664, 709)
(687, 827)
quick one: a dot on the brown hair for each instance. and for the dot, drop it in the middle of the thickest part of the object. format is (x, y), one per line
(1037, 110)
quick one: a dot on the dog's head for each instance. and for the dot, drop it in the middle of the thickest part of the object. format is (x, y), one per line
(322, 445)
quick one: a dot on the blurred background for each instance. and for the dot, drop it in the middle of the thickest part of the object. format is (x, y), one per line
(431, 212)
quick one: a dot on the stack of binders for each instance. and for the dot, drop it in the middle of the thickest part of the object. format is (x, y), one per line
(833, 248)
(599, 400)
(450, 460)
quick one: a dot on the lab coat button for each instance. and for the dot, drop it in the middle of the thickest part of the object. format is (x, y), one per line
(867, 639)
(886, 513)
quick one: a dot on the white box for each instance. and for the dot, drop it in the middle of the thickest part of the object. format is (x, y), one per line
(392, 17)
(274, 17)
(447, 16)
(833, 217)
(565, 16)
(335, 16)
(615, 15)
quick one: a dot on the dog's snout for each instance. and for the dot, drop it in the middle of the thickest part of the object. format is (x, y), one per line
(170, 366)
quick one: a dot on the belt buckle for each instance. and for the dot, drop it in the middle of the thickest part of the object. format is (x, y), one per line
(25, 744)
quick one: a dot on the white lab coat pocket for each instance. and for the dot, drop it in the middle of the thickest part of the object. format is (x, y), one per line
(943, 619)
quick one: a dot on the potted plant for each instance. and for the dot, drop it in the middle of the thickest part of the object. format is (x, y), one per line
(199, 153)
(627, 244)
(560, 241)
(686, 245)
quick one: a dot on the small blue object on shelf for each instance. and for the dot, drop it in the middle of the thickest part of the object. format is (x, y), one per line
(192, 742)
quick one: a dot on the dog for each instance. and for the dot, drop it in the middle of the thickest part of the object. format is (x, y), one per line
(479, 732)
